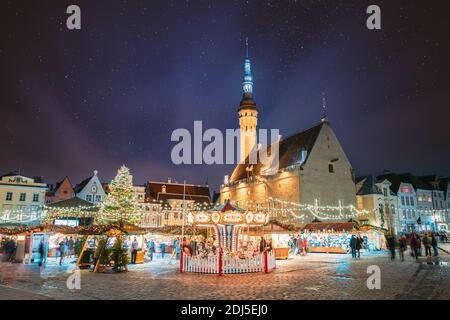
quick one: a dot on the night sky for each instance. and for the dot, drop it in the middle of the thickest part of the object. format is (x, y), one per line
(113, 92)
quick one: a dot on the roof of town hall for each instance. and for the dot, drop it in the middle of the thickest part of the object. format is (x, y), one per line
(289, 152)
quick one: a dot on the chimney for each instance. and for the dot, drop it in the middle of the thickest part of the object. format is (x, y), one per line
(169, 180)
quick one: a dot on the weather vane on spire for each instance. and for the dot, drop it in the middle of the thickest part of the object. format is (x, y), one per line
(246, 47)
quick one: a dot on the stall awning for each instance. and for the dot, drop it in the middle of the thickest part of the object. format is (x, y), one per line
(331, 226)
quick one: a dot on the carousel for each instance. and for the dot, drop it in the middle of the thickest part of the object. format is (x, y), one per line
(228, 252)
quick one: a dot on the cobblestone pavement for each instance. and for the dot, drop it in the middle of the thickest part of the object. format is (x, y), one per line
(316, 276)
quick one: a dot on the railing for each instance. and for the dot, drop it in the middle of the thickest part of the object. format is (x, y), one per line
(227, 264)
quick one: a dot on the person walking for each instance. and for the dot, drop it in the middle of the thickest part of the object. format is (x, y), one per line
(134, 250)
(353, 245)
(392, 244)
(359, 245)
(262, 245)
(162, 246)
(41, 253)
(294, 244)
(62, 250)
(70, 245)
(151, 249)
(402, 247)
(427, 244)
(414, 245)
(434, 244)
(304, 245)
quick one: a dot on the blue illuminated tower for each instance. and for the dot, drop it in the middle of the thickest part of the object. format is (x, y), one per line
(248, 112)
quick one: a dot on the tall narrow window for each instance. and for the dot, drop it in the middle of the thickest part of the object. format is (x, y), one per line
(330, 168)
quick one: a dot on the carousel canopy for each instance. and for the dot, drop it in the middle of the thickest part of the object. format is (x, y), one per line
(227, 206)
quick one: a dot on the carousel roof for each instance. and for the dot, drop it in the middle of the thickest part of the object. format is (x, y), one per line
(226, 207)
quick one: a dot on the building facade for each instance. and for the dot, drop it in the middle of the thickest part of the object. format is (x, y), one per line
(166, 198)
(62, 190)
(21, 199)
(90, 189)
(312, 169)
(380, 202)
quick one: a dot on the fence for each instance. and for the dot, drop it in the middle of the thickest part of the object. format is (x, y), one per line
(227, 264)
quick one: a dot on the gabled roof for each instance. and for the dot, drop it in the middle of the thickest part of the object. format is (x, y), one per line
(289, 152)
(397, 179)
(10, 174)
(82, 184)
(416, 182)
(366, 185)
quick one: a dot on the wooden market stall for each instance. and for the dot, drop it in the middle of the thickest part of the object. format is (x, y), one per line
(334, 237)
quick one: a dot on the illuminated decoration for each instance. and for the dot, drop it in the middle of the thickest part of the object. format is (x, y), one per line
(190, 218)
(215, 217)
(260, 218)
(247, 84)
(227, 221)
(249, 217)
(121, 204)
(232, 217)
(200, 217)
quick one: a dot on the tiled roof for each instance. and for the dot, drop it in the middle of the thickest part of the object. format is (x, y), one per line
(289, 152)
(366, 185)
(81, 185)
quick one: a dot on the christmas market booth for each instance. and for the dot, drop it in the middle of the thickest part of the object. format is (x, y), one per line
(334, 237)
(276, 232)
(34, 244)
(106, 247)
(228, 253)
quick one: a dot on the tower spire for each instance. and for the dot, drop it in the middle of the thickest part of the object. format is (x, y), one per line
(247, 83)
(324, 108)
(246, 48)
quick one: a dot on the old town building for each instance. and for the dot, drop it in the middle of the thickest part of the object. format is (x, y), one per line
(313, 169)
(62, 190)
(21, 198)
(90, 189)
(380, 202)
(170, 195)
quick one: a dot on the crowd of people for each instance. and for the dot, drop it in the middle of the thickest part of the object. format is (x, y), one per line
(417, 243)
(298, 244)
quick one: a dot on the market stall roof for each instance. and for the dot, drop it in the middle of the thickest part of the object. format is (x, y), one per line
(335, 226)
(73, 203)
(25, 229)
(227, 206)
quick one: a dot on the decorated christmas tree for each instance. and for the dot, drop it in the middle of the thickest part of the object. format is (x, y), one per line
(121, 205)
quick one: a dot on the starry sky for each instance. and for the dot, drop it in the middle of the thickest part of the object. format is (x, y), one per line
(113, 92)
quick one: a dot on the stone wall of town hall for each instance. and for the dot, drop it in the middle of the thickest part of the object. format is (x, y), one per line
(327, 174)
